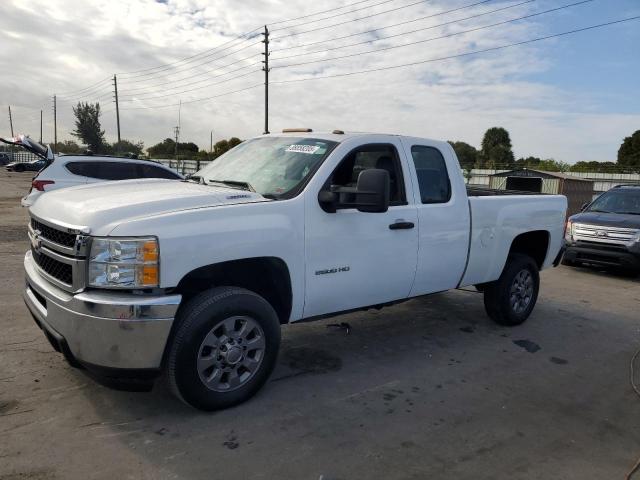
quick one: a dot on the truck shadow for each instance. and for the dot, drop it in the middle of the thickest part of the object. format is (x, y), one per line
(327, 383)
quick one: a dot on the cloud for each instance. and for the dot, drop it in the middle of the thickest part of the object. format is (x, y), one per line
(58, 46)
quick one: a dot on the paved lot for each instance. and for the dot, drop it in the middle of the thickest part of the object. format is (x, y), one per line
(427, 389)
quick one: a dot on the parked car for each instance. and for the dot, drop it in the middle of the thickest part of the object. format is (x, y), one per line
(33, 166)
(5, 158)
(607, 232)
(71, 170)
(194, 279)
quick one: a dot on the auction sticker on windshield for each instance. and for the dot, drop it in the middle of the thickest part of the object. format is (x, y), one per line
(303, 148)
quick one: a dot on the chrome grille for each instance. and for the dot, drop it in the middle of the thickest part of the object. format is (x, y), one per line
(601, 234)
(58, 270)
(60, 253)
(53, 234)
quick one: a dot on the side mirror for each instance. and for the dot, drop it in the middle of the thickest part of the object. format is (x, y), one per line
(328, 201)
(372, 191)
(370, 195)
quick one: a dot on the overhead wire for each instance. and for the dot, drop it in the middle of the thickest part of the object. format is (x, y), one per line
(459, 55)
(347, 21)
(384, 27)
(392, 47)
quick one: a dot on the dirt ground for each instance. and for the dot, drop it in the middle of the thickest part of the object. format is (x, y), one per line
(429, 389)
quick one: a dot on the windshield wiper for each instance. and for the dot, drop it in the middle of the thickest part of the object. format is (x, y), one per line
(628, 213)
(598, 211)
(234, 184)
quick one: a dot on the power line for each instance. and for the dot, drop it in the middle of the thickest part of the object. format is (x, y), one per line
(129, 81)
(461, 55)
(392, 47)
(196, 99)
(413, 21)
(320, 13)
(242, 37)
(75, 92)
(149, 87)
(349, 21)
(335, 15)
(192, 89)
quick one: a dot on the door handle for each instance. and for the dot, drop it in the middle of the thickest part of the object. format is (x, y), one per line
(401, 226)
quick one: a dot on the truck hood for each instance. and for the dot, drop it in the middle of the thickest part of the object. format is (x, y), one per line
(103, 206)
(608, 219)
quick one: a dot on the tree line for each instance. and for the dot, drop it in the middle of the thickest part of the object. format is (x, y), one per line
(88, 130)
(496, 152)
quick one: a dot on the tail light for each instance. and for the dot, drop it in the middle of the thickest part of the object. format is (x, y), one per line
(39, 184)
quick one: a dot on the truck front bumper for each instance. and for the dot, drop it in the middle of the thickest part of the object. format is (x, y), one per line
(119, 338)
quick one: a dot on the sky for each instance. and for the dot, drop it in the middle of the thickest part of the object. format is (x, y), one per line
(571, 98)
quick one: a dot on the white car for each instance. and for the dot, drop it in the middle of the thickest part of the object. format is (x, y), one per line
(134, 278)
(71, 170)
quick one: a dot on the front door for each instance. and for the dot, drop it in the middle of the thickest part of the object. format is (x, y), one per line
(356, 259)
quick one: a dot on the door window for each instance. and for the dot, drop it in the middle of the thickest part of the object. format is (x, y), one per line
(383, 156)
(431, 171)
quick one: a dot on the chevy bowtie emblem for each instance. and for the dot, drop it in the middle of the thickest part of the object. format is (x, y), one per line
(36, 243)
(602, 233)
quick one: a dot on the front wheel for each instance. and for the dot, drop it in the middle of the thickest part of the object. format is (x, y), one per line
(224, 348)
(510, 299)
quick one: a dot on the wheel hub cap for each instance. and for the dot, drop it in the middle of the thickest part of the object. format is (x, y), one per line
(521, 292)
(231, 353)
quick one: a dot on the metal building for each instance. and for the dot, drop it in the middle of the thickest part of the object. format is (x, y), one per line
(577, 190)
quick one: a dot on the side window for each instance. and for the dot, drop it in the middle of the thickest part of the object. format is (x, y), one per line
(84, 169)
(431, 170)
(117, 170)
(382, 156)
(151, 171)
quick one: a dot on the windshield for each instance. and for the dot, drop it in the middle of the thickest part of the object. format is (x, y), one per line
(618, 201)
(271, 166)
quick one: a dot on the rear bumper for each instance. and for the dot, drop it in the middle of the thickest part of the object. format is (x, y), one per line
(114, 336)
(602, 256)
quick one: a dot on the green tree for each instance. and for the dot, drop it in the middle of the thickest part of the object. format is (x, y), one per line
(68, 146)
(467, 154)
(88, 128)
(547, 165)
(595, 167)
(126, 146)
(629, 152)
(496, 149)
(167, 149)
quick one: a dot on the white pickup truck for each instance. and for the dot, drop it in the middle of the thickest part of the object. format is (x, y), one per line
(133, 278)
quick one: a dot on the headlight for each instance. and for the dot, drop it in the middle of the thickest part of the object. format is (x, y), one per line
(124, 263)
(568, 232)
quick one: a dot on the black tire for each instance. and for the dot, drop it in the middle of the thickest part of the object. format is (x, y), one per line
(18, 168)
(498, 298)
(195, 322)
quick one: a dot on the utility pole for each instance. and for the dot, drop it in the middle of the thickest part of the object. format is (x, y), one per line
(265, 69)
(40, 126)
(176, 132)
(55, 124)
(11, 121)
(115, 89)
(211, 143)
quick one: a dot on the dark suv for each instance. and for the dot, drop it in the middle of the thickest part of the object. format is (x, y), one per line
(607, 231)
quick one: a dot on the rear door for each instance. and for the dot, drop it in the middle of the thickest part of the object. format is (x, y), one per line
(356, 259)
(443, 215)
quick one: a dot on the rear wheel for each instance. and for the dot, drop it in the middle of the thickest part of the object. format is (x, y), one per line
(510, 299)
(18, 168)
(224, 349)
